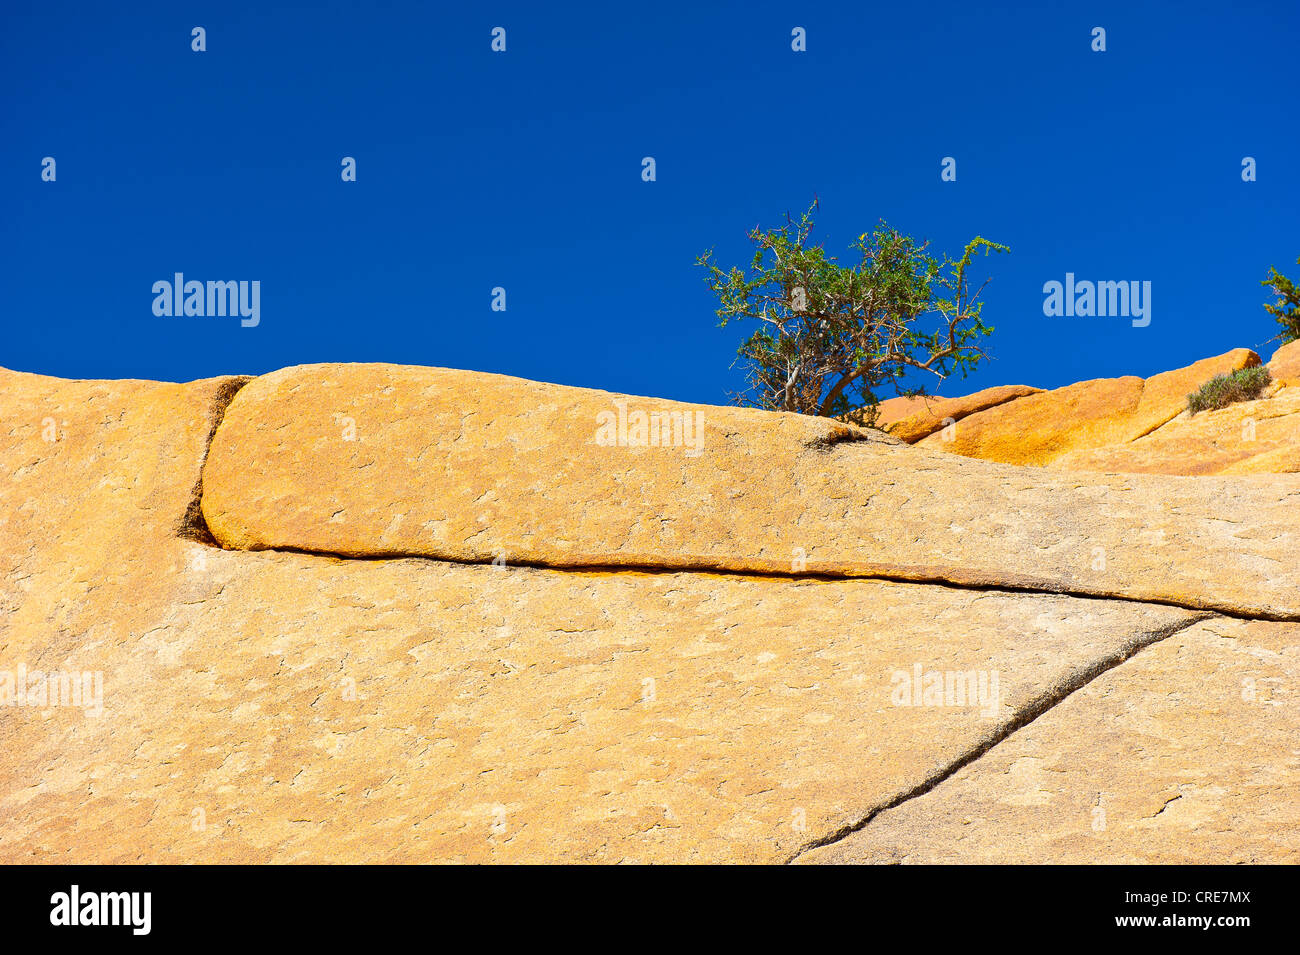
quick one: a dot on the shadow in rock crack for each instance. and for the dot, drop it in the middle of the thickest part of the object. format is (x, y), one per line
(192, 526)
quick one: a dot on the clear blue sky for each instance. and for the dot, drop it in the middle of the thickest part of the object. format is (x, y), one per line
(523, 170)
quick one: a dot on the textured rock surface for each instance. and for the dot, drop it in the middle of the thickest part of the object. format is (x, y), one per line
(292, 707)
(912, 419)
(467, 467)
(1037, 429)
(316, 710)
(288, 707)
(1246, 438)
(1185, 754)
(93, 476)
(1284, 366)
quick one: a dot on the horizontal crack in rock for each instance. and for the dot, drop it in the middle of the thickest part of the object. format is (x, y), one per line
(925, 577)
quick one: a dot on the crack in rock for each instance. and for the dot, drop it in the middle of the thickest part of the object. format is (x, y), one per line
(1026, 715)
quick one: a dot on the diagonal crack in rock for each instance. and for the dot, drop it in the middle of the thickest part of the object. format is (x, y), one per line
(1031, 711)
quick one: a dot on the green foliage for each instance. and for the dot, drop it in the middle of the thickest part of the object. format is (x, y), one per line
(831, 336)
(1244, 384)
(1287, 308)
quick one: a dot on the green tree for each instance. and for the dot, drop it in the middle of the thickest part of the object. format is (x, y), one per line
(1287, 308)
(830, 337)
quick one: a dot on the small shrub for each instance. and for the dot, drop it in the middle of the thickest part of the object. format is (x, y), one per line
(829, 337)
(1244, 384)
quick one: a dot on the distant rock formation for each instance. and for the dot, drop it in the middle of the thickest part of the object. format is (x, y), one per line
(1285, 365)
(378, 613)
(1119, 425)
(911, 419)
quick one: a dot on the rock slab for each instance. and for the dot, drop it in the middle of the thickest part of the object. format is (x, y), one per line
(376, 461)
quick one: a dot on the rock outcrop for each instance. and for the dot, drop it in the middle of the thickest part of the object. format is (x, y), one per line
(384, 461)
(1121, 425)
(914, 418)
(1284, 366)
(387, 614)
(1249, 437)
(1039, 428)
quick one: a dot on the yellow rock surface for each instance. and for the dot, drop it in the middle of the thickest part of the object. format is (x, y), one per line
(1249, 437)
(912, 419)
(471, 467)
(1284, 366)
(1185, 754)
(276, 706)
(1038, 429)
(296, 708)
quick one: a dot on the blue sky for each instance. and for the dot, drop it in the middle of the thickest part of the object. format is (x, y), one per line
(522, 170)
